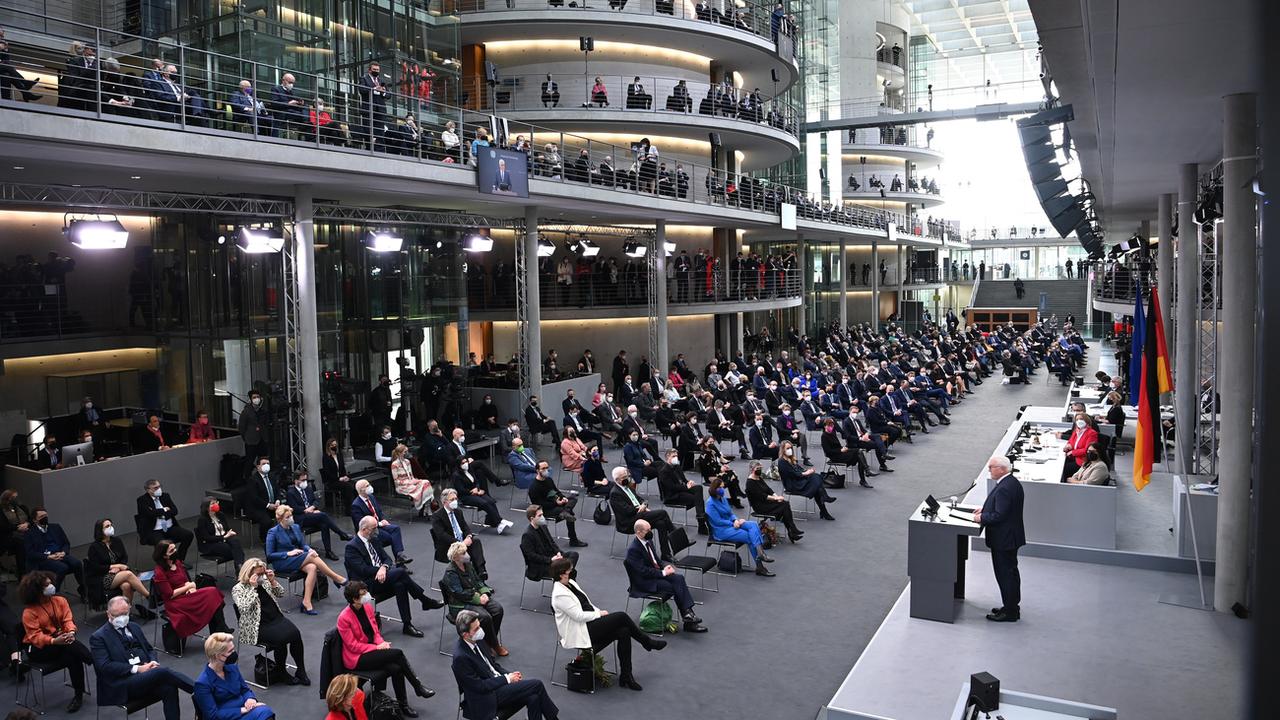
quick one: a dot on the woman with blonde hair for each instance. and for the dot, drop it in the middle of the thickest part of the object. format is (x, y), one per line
(261, 622)
(288, 553)
(345, 699)
(415, 488)
(221, 690)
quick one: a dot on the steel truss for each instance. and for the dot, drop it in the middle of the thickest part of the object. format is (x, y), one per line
(654, 269)
(67, 196)
(409, 216)
(523, 287)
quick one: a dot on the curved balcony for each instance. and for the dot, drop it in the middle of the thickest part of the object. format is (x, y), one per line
(873, 196)
(745, 39)
(765, 130)
(911, 143)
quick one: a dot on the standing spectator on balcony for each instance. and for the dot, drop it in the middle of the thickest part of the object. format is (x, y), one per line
(66, 78)
(982, 270)
(884, 271)
(82, 75)
(564, 279)
(866, 273)
(287, 107)
(1069, 268)
(683, 265)
(372, 89)
(550, 92)
(775, 20)
(449, 139)
(1019, 287)
(897, 54)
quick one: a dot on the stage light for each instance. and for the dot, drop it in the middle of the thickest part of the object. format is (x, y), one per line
(589, 249)
(97, 234)
(546, 248)
(476, 242)
(669, 246)
(381, 241)
(633, 249)
(259, 241)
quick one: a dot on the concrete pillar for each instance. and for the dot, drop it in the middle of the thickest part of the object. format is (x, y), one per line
(844, 283)
(532, 301)
(1164, 262)
(304, 249)
(802, 257)
(1238, 254)
(1186, 329)
(901, 259)
(660, 241)
(875, 284)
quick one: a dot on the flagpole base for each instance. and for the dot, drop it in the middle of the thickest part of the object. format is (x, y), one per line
(1186, 600)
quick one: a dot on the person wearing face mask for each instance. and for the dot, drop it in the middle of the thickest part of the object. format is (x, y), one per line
(188, 607)
(538, 422)
(523, 464)
(556, 504)
(250, 426)
(260, 621)
(837, 452)
(487, 690)
(764, 501)
(262, 497)
(727, 527)
(15, 522)
(389, 533)
(289, 110)
(418, 490)
(1094, 471)
(448, 526)
(383, 446)
(333, 471)
(201, 429)
(151, 437)
(760, 436)
(106, 567)
(676, 490)
(158, 518)
(487, 414)
(49, 629)
(380, 402)
(288, 553)
(510, 431)
(473, 490)
(789, 429)
(48, 549)
(127, 667)
(802, 481)
(90, 417)
(220, 691)
(306, 510)
(214, 536)
(631, 426)
(607, 416)
(1083, 435)
(368, 563)
(466, 590)
(648, 572)
(539, 548)
(50, 455)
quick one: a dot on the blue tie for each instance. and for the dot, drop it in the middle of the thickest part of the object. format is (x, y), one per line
(457, 531)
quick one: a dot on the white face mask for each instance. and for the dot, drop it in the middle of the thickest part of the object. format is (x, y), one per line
(1080, 424)
(286, 522)
(257, 402)
(157, 491)
(514, 428)
(478, 636)
(634, 413)
(366, 599)
(453, 504)
(120, 622)
(109, 531)
(266, 468)
(302, 485)
(790, 452)
(50, 590)
(369, 491)
(386, 436)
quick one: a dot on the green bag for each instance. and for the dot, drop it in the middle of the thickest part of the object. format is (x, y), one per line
(656, 617)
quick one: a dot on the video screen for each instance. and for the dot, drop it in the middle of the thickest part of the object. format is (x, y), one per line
(502, 172)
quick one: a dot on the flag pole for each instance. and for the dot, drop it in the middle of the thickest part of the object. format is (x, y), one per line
(1176, 599)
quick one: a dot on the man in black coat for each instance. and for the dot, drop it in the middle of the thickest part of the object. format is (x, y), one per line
(366, 561)
(372, 89)
(677, 490)
(449, 526)
(628, 506)
(158, 518)
(1001, 518)
(539, 548)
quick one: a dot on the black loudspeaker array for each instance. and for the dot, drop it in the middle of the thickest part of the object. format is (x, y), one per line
(1066, 212)
(490, 72)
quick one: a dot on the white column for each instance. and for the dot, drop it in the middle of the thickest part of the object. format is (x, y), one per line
(304, 249)
(1164, 262)
(875, 284)
(1186, 329)
(532, 300)
(844, 283)
(660, 241)
(1238, 253)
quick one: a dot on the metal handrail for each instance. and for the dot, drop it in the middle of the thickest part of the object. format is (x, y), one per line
(596, 286)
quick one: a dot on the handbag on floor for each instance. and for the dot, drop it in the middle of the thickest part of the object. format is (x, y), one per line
(655, 617)
(730, 562)
(602, 514)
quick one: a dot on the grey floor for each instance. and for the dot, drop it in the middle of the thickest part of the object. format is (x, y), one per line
(777, 648)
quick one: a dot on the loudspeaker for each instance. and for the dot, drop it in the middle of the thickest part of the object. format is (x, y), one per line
(773, 72)
(1050, 188)
(586, 43)
(1068, 220)
(822, 173)
(984, 690)
(715, 139)
(490, 72)
(1044, 172)
(1055, 206)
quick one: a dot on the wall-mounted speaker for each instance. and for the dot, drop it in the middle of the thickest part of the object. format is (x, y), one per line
(715, 139)
(490, 72)
(774, 73)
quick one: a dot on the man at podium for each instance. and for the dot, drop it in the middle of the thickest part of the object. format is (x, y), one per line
(1001, 518)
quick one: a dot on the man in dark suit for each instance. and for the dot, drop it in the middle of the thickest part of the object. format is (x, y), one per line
(622, 371)
(158, 518)
(688, 436)
(550, 92)
(373, 102)
(789, 429)
(880, 422)
(539, 547)
(501, 177)
(126, 664)
(538, 422)
(307, 513)
(678, 490)
(50, 455)
(250, 428)
(484, 686)
(628, 506)
(631, 427)
(648, 575)
(448, 526)
(576, 420)
(164, 95)
(366, 505)
(760, 436)
(289, 110)
(455, 453)
(637, 98)
(48, 549)
(473, 491)
(367, 562)
(247, 109)
(1001, 518)
(262, 497)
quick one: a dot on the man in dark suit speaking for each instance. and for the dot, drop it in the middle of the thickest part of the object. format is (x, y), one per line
(1001, 517)
(501, 178)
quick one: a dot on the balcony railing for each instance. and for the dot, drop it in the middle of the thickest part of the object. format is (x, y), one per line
(909, 136)
(755, 18)
(1119, 282)
(596, 95)
(599, 285)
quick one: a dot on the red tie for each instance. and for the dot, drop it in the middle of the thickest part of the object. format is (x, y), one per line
(372, 511)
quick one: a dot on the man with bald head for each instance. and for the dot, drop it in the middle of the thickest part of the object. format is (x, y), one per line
(367, 562)
(1001, 518)
(126, 665)
(647, 575)
(286, 107)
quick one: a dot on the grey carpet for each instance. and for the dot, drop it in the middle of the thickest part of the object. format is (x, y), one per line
(777, 647)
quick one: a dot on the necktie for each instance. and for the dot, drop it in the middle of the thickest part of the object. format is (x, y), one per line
(631, 495)
(476, 649)
(652, 558)
(372, 510)
(373, 555)
(457, 531)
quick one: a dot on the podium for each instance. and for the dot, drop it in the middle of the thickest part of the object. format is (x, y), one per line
(937, 549)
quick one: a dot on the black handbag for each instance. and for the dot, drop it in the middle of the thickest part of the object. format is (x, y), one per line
(833, 479)
(266, 671)
(169, 638)
(580, 674)
(204, 580)
(730, 562)
(603, 515)
(381, 706)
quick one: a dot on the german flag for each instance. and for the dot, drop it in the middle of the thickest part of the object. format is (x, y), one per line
(1155, 379)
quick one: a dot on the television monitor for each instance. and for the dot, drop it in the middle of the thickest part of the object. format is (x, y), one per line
(502, 172)
(78, 454)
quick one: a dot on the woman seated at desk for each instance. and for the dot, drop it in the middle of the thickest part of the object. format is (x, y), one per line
(1083, 435)
(201, 430)
(1094, 471)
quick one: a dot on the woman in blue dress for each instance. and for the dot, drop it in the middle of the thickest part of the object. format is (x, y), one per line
(730, 528)
(221, 692)
(288, 553)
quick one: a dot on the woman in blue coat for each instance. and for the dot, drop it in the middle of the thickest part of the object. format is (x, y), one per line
(288, 553)
(221, 692)
(730, 528)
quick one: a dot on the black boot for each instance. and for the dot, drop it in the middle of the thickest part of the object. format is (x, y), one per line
(703, 528)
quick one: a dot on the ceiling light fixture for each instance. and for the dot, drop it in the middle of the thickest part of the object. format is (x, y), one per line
(382, 241)
(98, 233)
(475, 242)
(259, 240)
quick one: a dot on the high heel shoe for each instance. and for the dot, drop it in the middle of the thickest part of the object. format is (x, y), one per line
(422, 691)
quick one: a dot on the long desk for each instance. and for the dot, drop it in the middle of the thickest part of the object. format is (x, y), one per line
(1057, 513)
(79, 495)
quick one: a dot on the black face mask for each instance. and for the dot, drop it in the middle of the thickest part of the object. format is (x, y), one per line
(232, 658)
(43, 522)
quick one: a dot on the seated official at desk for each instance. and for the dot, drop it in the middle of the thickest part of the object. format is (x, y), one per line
(50, 455)
(158, 518)
(201, 430)
(1082, 436)
(1094, 471)
(151, 437)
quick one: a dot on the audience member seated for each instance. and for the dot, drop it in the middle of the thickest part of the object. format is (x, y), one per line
(49, 630)
(158, 518)
(727, 527)
(333, 472)
(345, 699)
(760, 435)
(466, 590)
(214, 536)
(256, 596)
(127, 667)
(837, 452)
(554, 503)
(50, 455)
(201, 430)
(637, 98)
(363, 647)
(538, 423)
(106, 567)
(367, 562)
(188, 607)
(302, 498)
(646, 574)
(523, 464)
(448, 526)
(550, 93)
(676, 490)
(384, 446)
(764, 501)
(1094, 471)
(593, 475)
(48, 549)
(389, 533)
(485, 688)
(418, 490)
(628, 506)
(261, 497)
(151, 438)
(221, 692)
(803, 481)
(582, 626)
(599, 94)
(486, 415)
(473, 491)
(288, 552)
(1082, 437)
(538, 546)
(15, 523)
(679, 100)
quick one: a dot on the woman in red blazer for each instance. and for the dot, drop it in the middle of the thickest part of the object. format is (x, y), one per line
(1082, 436)
(364, 649)
(345, 699)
